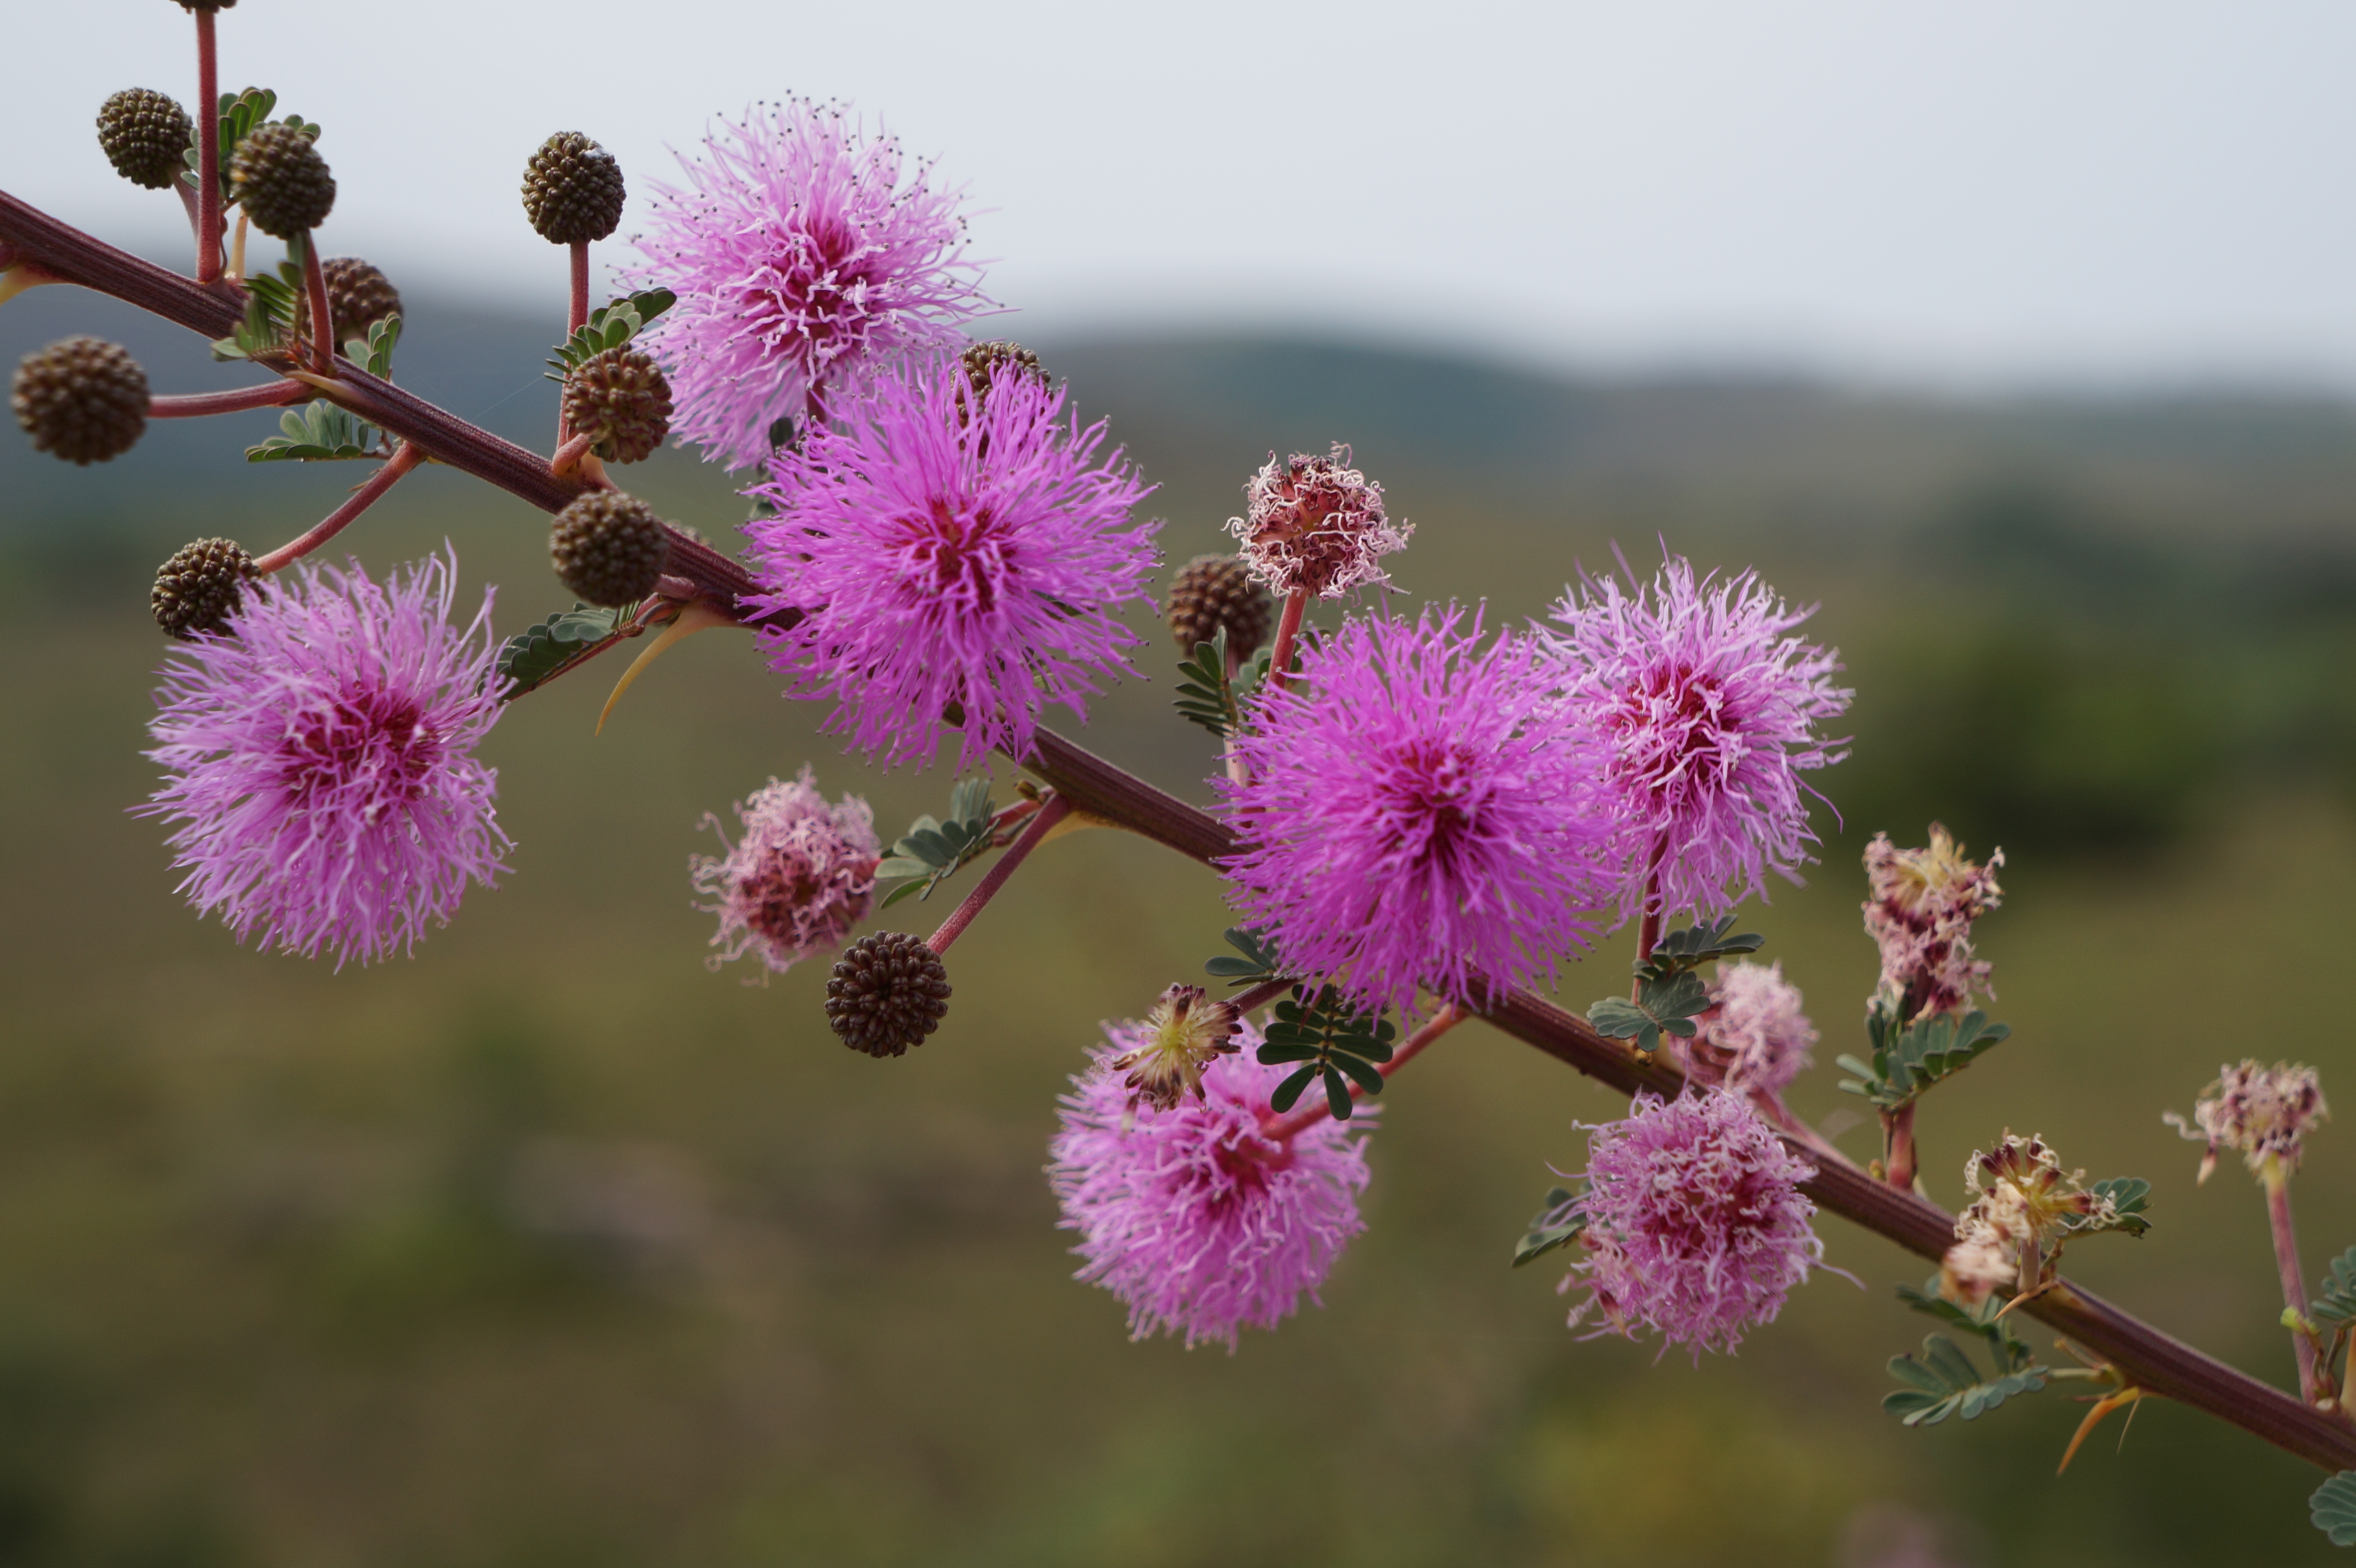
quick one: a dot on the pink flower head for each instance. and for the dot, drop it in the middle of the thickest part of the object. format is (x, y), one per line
(2262, 1113)
(1756, 1028)
(1924, 901)
(320, 762)
(1197, 1221)
(1419, 811)
(801, 263)
(1709, 711)
(1695, 1227)
(797, 880)
(937, 562)
(1315, 524)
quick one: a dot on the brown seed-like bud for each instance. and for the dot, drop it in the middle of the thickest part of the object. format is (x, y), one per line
(200, 587)
(608, 548)
(572, 190)
(144, 135)
(620, 398)
(83, 399)
(281, 181)
(359, 297)
(982, 359)
(1215, 591)
(888, 992)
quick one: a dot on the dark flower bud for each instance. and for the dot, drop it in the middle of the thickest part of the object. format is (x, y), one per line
(84, 399)
(886, 994)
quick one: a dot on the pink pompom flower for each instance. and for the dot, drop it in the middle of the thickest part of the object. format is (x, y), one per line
(1711, 712)
(1695, 1226)
(938, 560)
(320, 769)
(1316, 525)
(801, 875)
(1419, 809)
(802, 262)
(1755, 1033)
(1197, 1221)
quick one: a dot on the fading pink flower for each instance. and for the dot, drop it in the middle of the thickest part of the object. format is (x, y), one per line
(1755, 1029)
(1711, 712)
(802, 264)
(1197, 1222)
(1695, 1226)
(1924, 901)
(2262, 1113)
(321, 778)
(1419, 810)
(1315, 525)
(939, 563)
(800, 877)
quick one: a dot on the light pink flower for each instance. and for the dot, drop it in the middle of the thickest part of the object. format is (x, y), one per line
(799, 878)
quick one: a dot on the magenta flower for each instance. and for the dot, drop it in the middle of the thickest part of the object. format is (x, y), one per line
(938, 564)
(1710, 711)
(1421, 811)
(1695, 1227)
(1755, 1031)
(321, 774)
(1197, 1222)
(800, 877)
(802, 264)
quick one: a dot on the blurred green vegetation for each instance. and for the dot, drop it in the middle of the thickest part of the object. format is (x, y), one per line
(550, 1246)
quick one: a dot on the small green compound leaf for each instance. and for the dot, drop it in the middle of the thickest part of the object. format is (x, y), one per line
(1907, 1062)
(932, 850)
(1289, 1091)
(2333, 1508)
(1557, 1225)
(533, 656)
(1205, 697)
(317, 432)
(1681, 950)
(2130, 1197)
(1669, 1005)
(1322, 1031)
(1943, 1381)
(1258, 965)
(2335, 1297)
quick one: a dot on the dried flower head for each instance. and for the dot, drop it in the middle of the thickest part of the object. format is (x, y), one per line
(802, 265)
(1709, 711)
(1696, 1225)
(1315, 525)
(2024, 1205)
(1185, 1033)
(2265, 1113)
(802, 874)
(949, 574)
(320, 759)
(1419, 810)
(1199, 1223)
(1755, 1031)
(1920, 915)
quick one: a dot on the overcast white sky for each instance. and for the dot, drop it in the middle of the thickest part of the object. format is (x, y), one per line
(2001, 192)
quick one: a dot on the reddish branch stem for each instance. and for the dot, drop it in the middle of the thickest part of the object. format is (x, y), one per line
(404, 458)
(2144, 1357)
(209, 196)
(1288, 628)
(196, 405)
(2277, 1181)
(1285, 1128)
(1055, 809)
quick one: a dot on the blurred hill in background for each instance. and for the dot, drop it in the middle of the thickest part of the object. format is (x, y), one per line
(548, 1245)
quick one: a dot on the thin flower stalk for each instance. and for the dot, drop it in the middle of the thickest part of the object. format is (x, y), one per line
(207, 118)
(1288, 630)
(236, 401)
(323, 325)
(2276, 1178)
(405, 457)
(1034, 834)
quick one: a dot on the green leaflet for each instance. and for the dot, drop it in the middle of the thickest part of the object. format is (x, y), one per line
(1909, 1061)
(609, 326)
(1258, 965)
(1557, 1225)
(317, 433)
(374, 354)
(1943, 1381)
(1669, 994)
(1333, 1042)
(1206, 695)
(933, 850)
(530, 656)
(2332, 1507)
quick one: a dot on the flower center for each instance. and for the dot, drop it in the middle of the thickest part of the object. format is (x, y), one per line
(1672, 727)
(372, 742)
(956, 556)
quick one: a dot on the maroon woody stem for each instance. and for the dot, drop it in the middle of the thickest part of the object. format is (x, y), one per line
(1287, 627)
(196, 405)
(2145, 1357)
(1285, 1128)
(404, 458)
(209, 197)
(2277, 1181)
(1053, 811)
(1259, 995)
